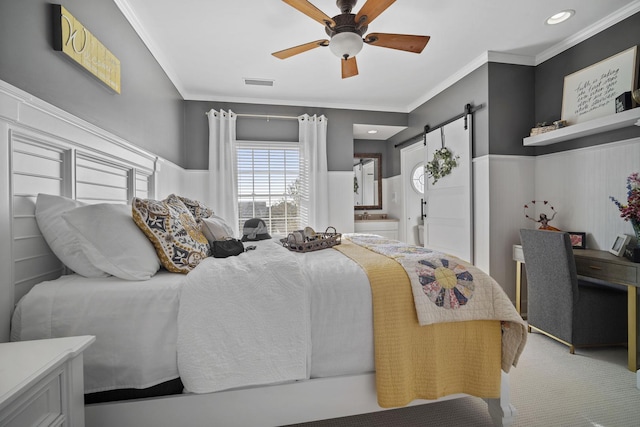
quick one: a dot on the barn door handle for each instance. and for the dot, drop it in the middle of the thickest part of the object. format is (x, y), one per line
(422, 205)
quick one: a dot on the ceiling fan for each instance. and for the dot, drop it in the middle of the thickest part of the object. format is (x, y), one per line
(346, 30)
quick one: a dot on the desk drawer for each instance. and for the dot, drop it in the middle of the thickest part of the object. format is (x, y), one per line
(606, 271)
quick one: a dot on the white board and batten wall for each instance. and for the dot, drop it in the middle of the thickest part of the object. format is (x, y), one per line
(577, 183)
(47, 150)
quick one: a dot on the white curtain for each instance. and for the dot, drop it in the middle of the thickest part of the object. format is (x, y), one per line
(314, 209)
(223, 179)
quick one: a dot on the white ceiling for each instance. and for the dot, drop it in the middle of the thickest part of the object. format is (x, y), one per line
(207, 47)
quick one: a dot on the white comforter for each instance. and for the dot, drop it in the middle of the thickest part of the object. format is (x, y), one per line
(286, 316)
(244, 320)
(135, 323)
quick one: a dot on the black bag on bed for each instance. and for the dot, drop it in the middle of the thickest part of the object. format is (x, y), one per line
(225, 248)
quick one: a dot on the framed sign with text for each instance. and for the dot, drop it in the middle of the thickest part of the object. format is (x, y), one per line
(75, 41)
(591, 92)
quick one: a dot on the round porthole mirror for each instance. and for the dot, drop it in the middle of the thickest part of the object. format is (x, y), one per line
(417, 178)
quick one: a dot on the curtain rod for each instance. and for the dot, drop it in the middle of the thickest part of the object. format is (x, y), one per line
(267, 116)
(264, 116)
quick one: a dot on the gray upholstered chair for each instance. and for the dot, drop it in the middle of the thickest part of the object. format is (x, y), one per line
(575, 312)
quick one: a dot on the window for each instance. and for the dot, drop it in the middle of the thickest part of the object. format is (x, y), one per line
(269, 184)
(417, 178)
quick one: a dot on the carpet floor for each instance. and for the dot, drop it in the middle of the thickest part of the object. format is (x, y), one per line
(549, 387)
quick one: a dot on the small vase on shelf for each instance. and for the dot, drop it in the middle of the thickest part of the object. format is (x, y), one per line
(631, 212)
(636, 229)
(633, 252)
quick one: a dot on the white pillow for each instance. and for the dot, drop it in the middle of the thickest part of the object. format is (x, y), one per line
(215, 228)
(57, 233)
(113, 242)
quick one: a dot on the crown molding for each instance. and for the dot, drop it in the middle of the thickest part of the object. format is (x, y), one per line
(462, 72)
(488, 56)
(157, 53)
(510, 58)
(606, 22)
(507, 58)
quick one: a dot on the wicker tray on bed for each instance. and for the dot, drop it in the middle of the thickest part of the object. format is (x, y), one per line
(304, 241)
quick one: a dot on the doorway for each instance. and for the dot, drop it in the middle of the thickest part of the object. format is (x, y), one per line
(412, 167)
(448, 224)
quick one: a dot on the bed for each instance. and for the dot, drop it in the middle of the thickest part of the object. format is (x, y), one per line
(295, 336)
(51, 151)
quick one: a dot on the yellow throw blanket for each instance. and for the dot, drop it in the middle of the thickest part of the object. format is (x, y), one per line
(423, 362)
(448, 289)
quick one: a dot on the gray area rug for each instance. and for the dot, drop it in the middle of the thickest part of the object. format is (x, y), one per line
(549, 387)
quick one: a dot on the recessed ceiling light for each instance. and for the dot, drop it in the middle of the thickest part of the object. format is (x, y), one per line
(372, 131)
(560, 17)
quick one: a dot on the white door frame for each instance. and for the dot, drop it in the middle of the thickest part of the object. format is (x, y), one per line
(405, 172)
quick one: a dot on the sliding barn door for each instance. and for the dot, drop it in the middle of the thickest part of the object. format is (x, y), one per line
(448, 225)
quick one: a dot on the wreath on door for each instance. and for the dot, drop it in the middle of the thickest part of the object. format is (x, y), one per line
(441, 165)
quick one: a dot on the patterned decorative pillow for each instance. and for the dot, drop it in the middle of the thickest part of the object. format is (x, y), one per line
(198, 209)
(170, 226)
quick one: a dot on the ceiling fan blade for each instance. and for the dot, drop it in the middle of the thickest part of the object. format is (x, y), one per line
(372, 9)
(349, 67)
(286, 53)
(404, 42)
(311, 11)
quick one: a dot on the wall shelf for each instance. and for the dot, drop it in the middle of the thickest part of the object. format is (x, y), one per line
(592, 127)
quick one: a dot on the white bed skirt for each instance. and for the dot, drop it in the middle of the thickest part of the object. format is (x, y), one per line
(273, 405)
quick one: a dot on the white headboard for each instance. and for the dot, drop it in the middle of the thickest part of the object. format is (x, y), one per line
(46, 150)
(42, 165)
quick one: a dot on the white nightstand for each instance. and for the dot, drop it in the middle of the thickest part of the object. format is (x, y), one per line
(41, 382)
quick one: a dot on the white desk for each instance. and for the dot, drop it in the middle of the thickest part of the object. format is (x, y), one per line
(42, 382)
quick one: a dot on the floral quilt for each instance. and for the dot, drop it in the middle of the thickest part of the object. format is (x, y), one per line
(447, 289)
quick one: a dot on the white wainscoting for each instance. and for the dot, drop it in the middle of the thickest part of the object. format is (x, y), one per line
(482, 214)
(171, 178)
(47, 150)
(341, 200)
(392, 197)
(502, 185)
(578, 184)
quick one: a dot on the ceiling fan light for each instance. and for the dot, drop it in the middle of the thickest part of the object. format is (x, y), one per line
(346, 44)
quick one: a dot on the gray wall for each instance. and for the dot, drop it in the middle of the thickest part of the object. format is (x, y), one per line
(511, 109)
(472, 89)
(549, 79)
(149, 110)
(517, 97)
(339, 128)
(151, 114)
(505, 94)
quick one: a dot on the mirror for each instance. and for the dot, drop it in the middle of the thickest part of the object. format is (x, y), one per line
(367, 181)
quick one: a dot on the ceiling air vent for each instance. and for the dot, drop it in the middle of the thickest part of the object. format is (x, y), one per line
(258, 82)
